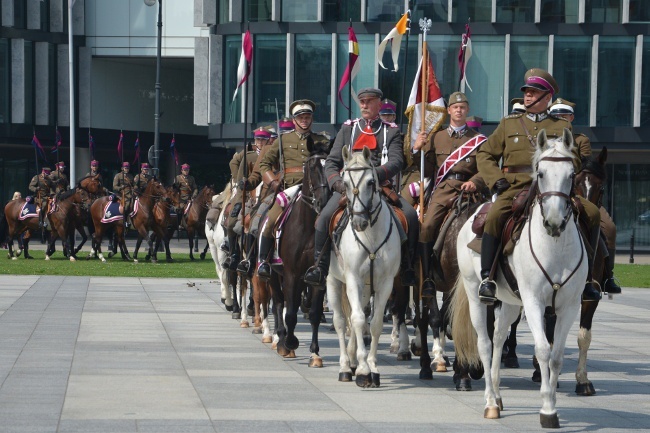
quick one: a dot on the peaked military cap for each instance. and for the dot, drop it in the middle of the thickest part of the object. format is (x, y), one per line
(302, 106)
(262, 133)
(562, 106)
(388, 107)
(286, 124)
(539, 79)
(457, 98)
(46, 170)
(94, 163)
(370, 92)
(517, 105)
(272, 131)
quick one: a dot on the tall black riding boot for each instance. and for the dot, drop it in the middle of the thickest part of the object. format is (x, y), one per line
(233, 256)
(264, 269)
(317, 274)
(488, 288)
(428, 286)
(611, 286)
(590, 292)
(225, 245)
(245, 267)
(406, 266)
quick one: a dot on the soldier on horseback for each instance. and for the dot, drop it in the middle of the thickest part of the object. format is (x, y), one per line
(289, 154)
(59, 179)
(123, 185)
(41, 186)
(513, 140)
(385, 143)
(565, 109)
(450, 164)
(186, 186)
(141, 179)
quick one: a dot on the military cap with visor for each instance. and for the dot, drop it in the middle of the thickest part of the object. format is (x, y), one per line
(370, 92)
(388, 107)
(262, 133)
(457, 98)
(562, 106)
(517, 105)
(539, 79)
(302, 106)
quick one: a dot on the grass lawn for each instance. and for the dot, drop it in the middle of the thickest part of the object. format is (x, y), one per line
(632, 275)
(182, 267)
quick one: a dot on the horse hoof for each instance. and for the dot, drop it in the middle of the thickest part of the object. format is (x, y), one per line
(446, 358)
(464, 384)
(366, 340)
(585, 389)
(274, 346)
(236, 315)
(374, 377)
(256, 330)
(229, 308)
(500, 403)
(147, 257)
(354, 370)
(291, 342)
(154, 261)
(170, 260)
(14, 258)
(291, 354)
(202, 255)
(135, 260)
(511, 363)
(476, 372)
(440, 367)
(492, 412)
(267, 339)
(549, 421)
(537, 376)
(426, 374)
(316, 361)
(244, 324)
(404, 356)
(27, 256)
(363, 381)
(47, 258)
(18, 253)
(415, 350)
(282, 351)
(345, 377)
(103, 260)
(72, 259)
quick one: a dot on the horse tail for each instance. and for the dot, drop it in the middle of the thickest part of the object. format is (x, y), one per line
(465, 338)
(4, 227)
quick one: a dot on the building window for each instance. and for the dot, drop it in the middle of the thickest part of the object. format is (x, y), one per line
(525, 52)
(515, 11)
(485, 72)
(232, 109)
(435, 10)
(52, 83)
(477, 10)
(29, 82)
(559, 11)
(257, 10)
(391, 82)
(645, 83)
(20, 14)
(630, 208)
(444, 58)
(365, 77)
(299, 10)
(270, 76)
(336, 10)
(616, 69)
(386, 10)
(603, 11)
(639, 11)
(45, 15)
(5, 72)
(224, 11)
(572, 71)
(313, 73)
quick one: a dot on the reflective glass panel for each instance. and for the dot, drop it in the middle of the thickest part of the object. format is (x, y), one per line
(444, 58)
(525, 52)
(299, 10)
(52, 79)
(559, 11)
(313, 73)
(365, 77)
(4, 81)
(639, 11)
(270, 76)
(232, 51)
(45, 15)
(435, 10)
(485, 71)
(20, 14)
(603, 11)
(515, 11)
(257, 10)
(645, 83)
(391, 82)
(29, 82)
(477, 10)
(224, 10)
(616, 69)
(572, 71)
(629, 205)
(337, 10)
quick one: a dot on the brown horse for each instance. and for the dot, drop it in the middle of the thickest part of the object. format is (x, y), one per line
(11, 227)
(144, 220)
(164, 223)
(195, 217)
(97, 212)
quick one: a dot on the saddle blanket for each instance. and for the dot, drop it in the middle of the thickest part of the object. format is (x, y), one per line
(136, 207)
(28, 211)
(112, 212)
(283, 198)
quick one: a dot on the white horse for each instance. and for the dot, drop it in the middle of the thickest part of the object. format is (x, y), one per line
(215, 236)
(550, 264)
(368, 258)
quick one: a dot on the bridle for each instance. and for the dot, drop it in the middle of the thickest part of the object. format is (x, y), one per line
(598, 201)
(368, 211)
(311, 200)
(567, 197)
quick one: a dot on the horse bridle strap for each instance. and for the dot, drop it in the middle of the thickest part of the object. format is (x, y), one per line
(567, 197)
(311, 199)
(367, 209)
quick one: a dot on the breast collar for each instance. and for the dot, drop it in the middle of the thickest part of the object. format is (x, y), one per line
(537, 117)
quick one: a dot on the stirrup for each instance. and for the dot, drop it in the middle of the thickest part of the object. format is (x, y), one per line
(244, 266)
(594, 294)
(315, 277)
(612, 286)
(225, 247)
(264, 271)
(428, 290)
(487, 291)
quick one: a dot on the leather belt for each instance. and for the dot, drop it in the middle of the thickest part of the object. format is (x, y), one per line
(293, 170)
(457, 176)
(518, 169)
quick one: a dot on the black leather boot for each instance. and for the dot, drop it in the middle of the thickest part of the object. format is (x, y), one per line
(488, 288)
(406, 266)
(590, 292)
(233, 256)
(225, 245)
(428, 286)
(317, 274)
(245, 267)
(611, 286)
(234, 213)
(264, 269)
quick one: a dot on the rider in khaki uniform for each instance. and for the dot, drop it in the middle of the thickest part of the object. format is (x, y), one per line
(41, 186)
(186, 185)
(141, 179)
(123, 186)
(510, 141)
(439, 155)
(59, 179)
(290, 159)
(565, 109)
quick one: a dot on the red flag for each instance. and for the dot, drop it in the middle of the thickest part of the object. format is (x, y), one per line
(245, 61)
(39, 147)
(172, 148)
(137, 150)
(353, 65)
(119, 146)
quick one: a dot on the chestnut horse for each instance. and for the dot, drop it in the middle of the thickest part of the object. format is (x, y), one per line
(163, 224)
(195, 217)
(144, 220)
(97, 212)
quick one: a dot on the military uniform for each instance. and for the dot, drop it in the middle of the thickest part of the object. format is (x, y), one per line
(140, 182)
(123, 186)
(187, 187)
(60, 182)
(41, 186)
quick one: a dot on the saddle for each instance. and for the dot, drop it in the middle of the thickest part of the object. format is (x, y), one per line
(113, 211)
(136, 207)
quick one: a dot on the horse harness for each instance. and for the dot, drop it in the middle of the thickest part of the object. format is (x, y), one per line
(311, 200)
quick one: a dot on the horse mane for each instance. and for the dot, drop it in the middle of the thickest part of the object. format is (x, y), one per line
(550, 147)
(591, 164)
(67, 194)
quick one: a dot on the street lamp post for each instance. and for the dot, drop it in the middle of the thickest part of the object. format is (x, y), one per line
(156, 115)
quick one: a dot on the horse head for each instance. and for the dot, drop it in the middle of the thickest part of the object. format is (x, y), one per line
(553, 164)
(590, 182)
(155, 188)
(361, 184)
(315, 189)
(173, 194)
(90, 184)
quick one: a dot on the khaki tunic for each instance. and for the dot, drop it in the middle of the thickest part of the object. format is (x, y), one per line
(187, 187)
(295, 153)
(124, 183)
(56, 177)
(583, 144)
(140, 182)
(251, 159)
(41, 186)
(441, 145)
(509, 141)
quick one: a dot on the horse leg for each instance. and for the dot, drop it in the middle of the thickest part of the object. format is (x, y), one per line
(137, 248)
(439, 363)
(242, 299)
(315, 313)
(504, 316)
(26, 249)
(509, 358)
(584, 386)
(400, 304)
(425, 359)
(120, 239)
(236, 307)
(264, 314)
(334, 297)
(49, 250)
(190, 239)
(205, 250)
(278, 309)
(382, 292)
(293, 292)
(257, 289)
(358, 322)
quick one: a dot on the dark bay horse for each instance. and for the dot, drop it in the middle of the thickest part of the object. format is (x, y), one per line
(97, 212)
(143, 220)
(195, 217)
(297, 253)
(163, 224)
(11, 227)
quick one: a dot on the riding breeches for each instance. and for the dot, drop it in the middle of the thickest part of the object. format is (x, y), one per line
(432, 221)
(272, 216)
(608, 228)
(260, 212)
(409, 175)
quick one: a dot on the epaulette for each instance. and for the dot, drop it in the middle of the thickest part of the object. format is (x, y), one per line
(390, 124)
(514, 116)
(351, 121)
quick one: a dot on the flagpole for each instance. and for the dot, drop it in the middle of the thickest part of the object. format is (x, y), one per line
(35, 151)
(90, 148)
(56, 144)
(406, 56)
(244, 160)
(350, 83)
(424, 25)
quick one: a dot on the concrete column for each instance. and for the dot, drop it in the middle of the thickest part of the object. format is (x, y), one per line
(33, 14)
(198, 13)
(215, 80)
(84, 79)
(201, 65)
(7, 13)
(236, 10)
(17, 81)
(63, 97)
(42, 82)
(56, 15)
(78, 16)
(205, 13)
